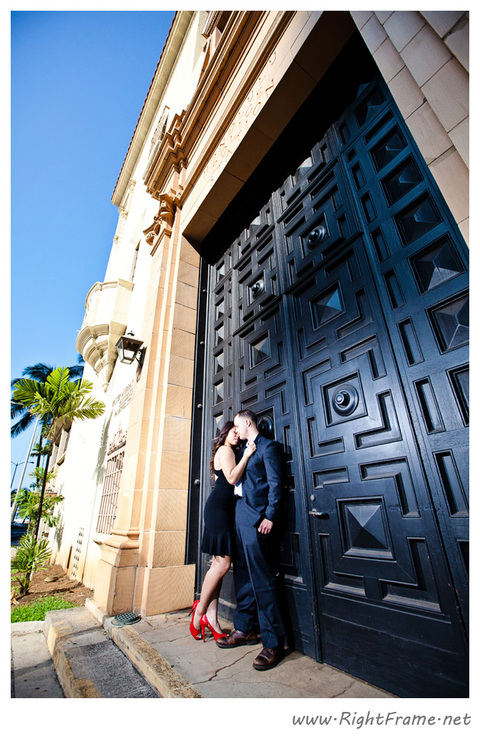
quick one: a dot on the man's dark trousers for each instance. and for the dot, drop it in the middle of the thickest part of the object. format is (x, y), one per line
(256, 579)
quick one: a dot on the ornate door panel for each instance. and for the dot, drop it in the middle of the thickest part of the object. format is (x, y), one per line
(378, 308)
(251, 366)
(339, 315)
(420, 266)
(380, 570)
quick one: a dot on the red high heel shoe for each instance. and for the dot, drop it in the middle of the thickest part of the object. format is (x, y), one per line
(205, 623)
(196, 632)
(194, 607)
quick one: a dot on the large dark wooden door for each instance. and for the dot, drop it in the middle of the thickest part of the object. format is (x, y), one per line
(249, 364)
(340, 315)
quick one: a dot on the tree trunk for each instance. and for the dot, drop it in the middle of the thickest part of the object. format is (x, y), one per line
(40, 505)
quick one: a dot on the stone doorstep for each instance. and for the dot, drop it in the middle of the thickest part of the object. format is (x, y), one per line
(157, 671)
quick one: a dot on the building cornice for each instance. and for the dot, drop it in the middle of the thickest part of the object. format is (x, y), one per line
(171, 50)
(227, 59)
(187, 131)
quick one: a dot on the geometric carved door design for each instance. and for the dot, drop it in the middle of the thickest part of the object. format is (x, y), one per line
(340, 315)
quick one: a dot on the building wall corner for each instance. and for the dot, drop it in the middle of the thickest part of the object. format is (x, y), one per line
(164, 589)
(115, 579)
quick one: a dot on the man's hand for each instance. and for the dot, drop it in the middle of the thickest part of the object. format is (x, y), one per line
(265, 526)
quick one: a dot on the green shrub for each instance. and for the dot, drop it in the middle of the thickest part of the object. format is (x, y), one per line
(37, 610)
(30, 557)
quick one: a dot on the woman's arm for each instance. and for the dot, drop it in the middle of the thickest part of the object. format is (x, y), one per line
(233, 471)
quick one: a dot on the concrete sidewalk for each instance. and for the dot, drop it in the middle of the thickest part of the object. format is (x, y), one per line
(161, 646)
(78, 653)
(33, 671)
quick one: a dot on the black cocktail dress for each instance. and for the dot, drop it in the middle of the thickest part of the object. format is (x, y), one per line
(219, 514)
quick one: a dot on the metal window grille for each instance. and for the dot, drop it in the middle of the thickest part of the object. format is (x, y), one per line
(111, 486)
(78, 552)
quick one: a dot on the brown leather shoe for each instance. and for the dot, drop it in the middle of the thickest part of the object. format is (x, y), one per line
(268, 658)
(238, 638)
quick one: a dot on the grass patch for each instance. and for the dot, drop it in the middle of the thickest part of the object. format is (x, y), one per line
(37, 610)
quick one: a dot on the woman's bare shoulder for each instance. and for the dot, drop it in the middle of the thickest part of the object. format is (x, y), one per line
(223, 450)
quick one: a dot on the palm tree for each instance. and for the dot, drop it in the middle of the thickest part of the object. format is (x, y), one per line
(38, 372)
(57, 402)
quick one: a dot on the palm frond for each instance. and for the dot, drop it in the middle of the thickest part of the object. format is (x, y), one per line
(22, 424)
(24, 392)
(38, 371)
(57, 379)
(88, 409)
(76, 372)
(16, 409)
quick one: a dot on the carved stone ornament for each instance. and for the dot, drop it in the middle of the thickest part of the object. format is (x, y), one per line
(154, 229)
(118, 441)
(166, 211)
(163, 220)
(160, 130)
(167, 157)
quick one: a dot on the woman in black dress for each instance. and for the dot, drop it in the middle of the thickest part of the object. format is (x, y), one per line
(218, 537)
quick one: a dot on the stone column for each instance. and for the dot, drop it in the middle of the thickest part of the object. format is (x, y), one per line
(143, 561)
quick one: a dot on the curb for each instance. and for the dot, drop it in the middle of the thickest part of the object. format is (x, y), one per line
(151, 665)
(57, 634)
(155, 669)
(26, 627)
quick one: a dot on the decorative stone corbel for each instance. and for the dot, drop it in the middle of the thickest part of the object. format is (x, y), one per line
(154, 229)
(166, 160)
(166, 210)
(163, 221)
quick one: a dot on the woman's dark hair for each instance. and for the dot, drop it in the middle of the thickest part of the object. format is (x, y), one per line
(219, 440)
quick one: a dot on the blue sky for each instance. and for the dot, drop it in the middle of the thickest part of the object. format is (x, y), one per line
(78, 83)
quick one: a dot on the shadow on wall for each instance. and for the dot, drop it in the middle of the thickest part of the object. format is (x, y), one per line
(102, 451)
(59, 530)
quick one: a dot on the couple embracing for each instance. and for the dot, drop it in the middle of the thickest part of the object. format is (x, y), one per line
(242, 519)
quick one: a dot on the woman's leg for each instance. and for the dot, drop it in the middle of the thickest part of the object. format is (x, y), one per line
(208, 603)
(212, 609)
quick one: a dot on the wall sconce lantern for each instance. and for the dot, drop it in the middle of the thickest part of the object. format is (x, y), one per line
(129, 349)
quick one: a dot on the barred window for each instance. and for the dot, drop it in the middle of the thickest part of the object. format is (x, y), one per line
(111, 486)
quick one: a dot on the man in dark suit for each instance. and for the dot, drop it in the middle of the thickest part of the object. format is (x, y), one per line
(258, 511)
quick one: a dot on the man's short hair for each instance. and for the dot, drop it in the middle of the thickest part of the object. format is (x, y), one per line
(248, 414)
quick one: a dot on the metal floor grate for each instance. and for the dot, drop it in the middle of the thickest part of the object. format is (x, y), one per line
(126, 618)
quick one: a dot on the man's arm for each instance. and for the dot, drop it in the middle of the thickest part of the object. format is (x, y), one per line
(274, 469)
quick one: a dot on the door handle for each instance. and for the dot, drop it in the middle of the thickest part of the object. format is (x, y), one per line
(316, 513)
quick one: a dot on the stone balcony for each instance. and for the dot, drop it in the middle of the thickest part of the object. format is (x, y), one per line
(106, 314)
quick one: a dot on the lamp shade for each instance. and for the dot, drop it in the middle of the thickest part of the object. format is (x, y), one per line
(128, 347)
